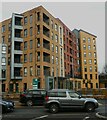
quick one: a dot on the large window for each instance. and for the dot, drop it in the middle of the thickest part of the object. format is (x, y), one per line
(84, 40)
(56, 38)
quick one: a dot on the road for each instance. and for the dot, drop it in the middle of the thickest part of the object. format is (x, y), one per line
(40, 113)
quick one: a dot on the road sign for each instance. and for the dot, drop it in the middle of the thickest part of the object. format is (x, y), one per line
(35, 83)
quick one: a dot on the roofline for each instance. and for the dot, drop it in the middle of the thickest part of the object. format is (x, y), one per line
(87, 32)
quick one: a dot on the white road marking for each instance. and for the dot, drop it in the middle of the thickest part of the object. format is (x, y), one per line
(86, 118)
(40, 117)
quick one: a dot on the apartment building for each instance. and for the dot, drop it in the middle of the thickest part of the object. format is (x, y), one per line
(34, 52)
(88, 58)
(40, 51)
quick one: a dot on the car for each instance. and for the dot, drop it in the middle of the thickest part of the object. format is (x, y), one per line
(57, 99)
(33, 97)
(6, 105)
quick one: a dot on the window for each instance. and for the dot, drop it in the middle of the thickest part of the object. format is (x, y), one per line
(85, 69)
(31, 44)
(78, 62)
(95, 61)
(25, 33)
(31, 71)
(85, 61)
(90, 68)
(84, 40)
(3, 60)
(38, 70)
(91, 76)
(31, 31)
(95, 54)
(38, 29)
(38, 16)
(94, 41)
(31, 19)
(61, 51)
(56, 38)
(77, 54)
(52, 71)
(85, 76)
(84, 54)
(56, 27)
(61, 94)
(56, 49)
(61, 40)
(60, 31)
(52, 47)
(57, 60)
(25, 20)
(25, 58)
(11, 87)
(94, 47)
(31, 57)
(90, 61)
(52, 59)
(96, 85)
(52, 35)
(9, 38)
(90, 54)
(25, 71)
(38, 42)
(96, 76)
(3, 28)
(89, 40)
(73, 95)
(52, 25)
(3, 39)
(38, 56)
(89, 47)
(84, 47)
(95, 69)
(25, 45)
(9, 26)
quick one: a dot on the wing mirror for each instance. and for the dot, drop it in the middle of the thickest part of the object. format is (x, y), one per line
(79, 96)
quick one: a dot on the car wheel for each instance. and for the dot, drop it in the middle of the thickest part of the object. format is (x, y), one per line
(53, 108)
(90, 107)
(29, 103)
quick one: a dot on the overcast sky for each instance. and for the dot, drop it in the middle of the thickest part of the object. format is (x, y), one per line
(89, 16)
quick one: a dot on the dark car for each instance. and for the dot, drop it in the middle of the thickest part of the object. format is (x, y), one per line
(63, 98)
(33, 97)
(6, 105)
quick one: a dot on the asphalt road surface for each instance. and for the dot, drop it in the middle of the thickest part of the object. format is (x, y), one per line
(40, 113)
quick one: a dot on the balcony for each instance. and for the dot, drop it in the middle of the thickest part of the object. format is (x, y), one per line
(46, 44)
(46, 71)
(18, 24)
(17, 73)
(46, 19)
(46, 31)
(17, 33)
(46, 57)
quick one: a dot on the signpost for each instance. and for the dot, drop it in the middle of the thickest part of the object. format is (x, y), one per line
(35, 83)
